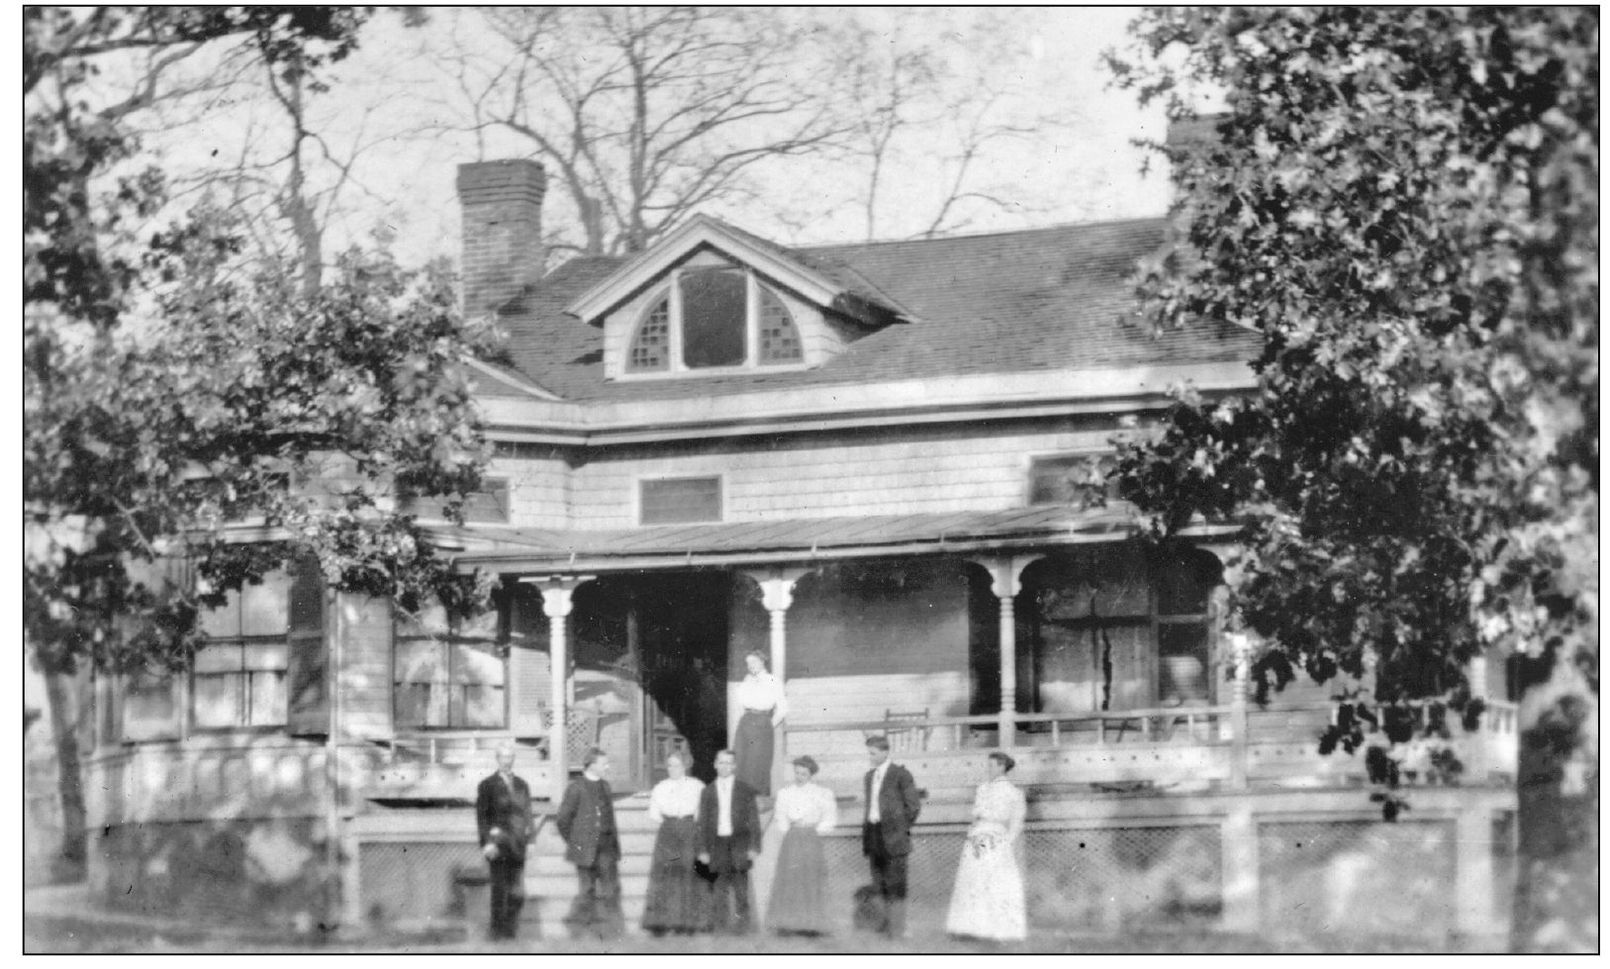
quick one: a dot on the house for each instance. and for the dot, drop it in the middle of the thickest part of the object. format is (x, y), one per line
(855, 459)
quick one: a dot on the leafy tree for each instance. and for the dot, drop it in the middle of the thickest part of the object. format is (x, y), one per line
(174, 388)
(1404, 203)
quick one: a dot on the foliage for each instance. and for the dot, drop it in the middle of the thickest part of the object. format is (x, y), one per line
(1404, 203)
(174, 390)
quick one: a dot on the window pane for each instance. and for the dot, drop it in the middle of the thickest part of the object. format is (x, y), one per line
(421, 661)
(265, 656)
(779, 338)
(268, 699)
(651, 348)
(681, 500)
(1182, 665)
(431, 619)
(224, 622)
(415, 706)
(1055, 480)
(266, 608)
(490, 504)
(149, 707)
(474, 663)
(483, 626)
(482, 707)
(714, 312)
(221, 658)
(1184, 583)
(217, 700)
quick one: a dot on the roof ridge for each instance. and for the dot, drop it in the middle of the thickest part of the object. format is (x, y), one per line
(1055, 227)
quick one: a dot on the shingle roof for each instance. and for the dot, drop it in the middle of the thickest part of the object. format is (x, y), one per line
(1039, 299)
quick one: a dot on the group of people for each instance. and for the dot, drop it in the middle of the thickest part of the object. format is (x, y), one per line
(709, 837)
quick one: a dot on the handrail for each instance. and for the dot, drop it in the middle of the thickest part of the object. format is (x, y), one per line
(1056, 721)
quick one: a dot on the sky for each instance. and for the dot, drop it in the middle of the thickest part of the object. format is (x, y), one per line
(1085, 169)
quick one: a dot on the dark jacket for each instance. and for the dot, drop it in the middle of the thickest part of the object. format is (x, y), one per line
(503, 816)
(584, 818)
(745, 821)
(898, 807)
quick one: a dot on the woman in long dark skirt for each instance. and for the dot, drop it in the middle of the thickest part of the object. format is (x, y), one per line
(761, 696)
(678, 899)
(805, 812)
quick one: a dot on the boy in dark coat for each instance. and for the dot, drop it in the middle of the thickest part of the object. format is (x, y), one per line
(586, 820)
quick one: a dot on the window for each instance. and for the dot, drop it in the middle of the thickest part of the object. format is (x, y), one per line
(487, 505)
(150, 707)
(448, 674)
(713, 317)
(1054, 479)
(670, 501)
(238, 678)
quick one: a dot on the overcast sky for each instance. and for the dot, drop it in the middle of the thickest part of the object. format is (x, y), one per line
(1083, 170)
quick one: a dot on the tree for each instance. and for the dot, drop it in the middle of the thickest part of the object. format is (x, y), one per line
(641, 114)
(173, 387)
(1404, 204)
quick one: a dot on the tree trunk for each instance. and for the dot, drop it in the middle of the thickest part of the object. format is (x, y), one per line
(62, 691)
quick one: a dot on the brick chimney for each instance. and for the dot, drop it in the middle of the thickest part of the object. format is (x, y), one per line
(502, 209)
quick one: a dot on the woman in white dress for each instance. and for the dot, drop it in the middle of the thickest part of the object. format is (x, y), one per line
(805, 812)
(988, 901)
(761, 696)
(678, 899)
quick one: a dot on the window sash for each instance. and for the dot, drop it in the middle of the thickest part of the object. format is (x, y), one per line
(671, 501)
(457, 678)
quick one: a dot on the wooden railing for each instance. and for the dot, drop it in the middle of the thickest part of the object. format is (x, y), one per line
(1201, 725)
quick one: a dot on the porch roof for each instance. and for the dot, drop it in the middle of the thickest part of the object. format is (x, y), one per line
(798, 540)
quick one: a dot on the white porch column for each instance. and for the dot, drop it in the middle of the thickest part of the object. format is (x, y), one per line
(1478, 745)
(1006, 581)
(557, 605)
(1240, 655)
(777, 595)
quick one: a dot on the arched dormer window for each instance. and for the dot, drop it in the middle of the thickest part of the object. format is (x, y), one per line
(714, 318)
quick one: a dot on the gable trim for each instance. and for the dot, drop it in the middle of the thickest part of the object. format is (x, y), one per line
(698, 232)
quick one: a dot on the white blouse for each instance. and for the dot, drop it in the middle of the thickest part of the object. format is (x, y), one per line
(806, 805)
(764, 692)
(675, 798)
(999, 805)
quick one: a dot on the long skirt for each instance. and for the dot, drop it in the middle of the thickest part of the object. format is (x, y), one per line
(988, 901)
(678, 899)
(798, 894)
(752, 744)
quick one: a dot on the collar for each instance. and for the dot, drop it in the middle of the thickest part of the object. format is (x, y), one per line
(591, 776)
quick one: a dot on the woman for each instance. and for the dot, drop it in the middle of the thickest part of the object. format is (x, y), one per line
(761, 696)
(988, 900)
(804, 812)
(678, 899)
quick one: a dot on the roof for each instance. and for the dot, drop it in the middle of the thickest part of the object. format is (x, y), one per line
(536, 549)
(1049, 299)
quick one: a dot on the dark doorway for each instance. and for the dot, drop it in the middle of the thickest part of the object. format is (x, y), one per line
(662, 637)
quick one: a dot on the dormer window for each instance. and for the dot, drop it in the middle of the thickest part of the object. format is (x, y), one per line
(714, 317)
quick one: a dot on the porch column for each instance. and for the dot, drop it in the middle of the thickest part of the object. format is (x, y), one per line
(1478, 745)
(556, 605)
(777, 594)
(1006, 581)
(1240, 656)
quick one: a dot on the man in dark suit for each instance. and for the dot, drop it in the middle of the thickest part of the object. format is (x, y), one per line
(503, 818)
(729, 842)
(586, 820)
(892, 804)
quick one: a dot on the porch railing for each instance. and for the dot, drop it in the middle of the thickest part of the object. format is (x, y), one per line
(1199, 725)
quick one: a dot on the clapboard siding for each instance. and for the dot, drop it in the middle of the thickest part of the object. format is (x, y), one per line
(539, 490)
(832, 475)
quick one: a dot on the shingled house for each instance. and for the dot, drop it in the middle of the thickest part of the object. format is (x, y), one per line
(855, 458)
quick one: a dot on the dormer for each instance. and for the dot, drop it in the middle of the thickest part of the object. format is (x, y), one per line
(710, 299)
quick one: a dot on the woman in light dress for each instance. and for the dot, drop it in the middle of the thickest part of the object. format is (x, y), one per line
(988, 901)
(804, 812)
(678, 899)
(761, 696)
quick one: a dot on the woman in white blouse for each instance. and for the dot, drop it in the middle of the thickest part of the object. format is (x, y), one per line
(761, 696)
(988, 901)
(804, 811)
(678, 899)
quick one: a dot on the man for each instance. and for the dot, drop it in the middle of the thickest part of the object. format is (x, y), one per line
(892, 804)
(503, 817)
(729, 842)
(586, 820)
